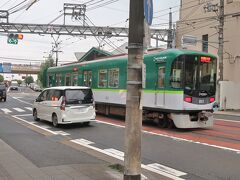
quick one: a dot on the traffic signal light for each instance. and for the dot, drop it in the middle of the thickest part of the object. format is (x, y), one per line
(15, 36)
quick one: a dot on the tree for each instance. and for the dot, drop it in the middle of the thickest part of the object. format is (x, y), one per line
(1, 78)
(29, 79)
(19, 82)
(42, 75)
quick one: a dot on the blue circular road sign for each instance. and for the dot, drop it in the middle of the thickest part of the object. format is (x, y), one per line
(148, 11)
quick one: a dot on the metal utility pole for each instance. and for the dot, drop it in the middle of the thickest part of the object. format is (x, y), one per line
(132, 158)
(76, 11)
(170, 31)
(56, 48)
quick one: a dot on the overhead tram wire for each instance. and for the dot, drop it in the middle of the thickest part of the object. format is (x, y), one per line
(167, 9)
(5, 3)
(102, 5)
(104, 39)
(22, 59)
(17, 5)
(183, 9)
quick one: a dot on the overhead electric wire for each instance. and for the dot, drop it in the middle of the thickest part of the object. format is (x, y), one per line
(17, 5)
(101, 5)
(5, 3)
(104, 39)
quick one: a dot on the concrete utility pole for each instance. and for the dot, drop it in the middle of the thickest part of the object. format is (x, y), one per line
(220, 48)
(132, 158)
(215, 8)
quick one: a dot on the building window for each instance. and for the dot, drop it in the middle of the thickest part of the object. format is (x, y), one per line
(205, 43)
(113, 78)
(102, 78)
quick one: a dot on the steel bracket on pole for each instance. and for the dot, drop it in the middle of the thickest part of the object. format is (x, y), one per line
(135, 46)
(135, 66)
(134, 82)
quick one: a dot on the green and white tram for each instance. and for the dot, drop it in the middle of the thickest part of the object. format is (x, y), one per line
(180, 86)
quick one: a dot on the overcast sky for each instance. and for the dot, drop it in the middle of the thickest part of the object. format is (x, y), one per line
(35, 47)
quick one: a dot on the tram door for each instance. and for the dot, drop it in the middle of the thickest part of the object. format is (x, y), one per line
(160, 85)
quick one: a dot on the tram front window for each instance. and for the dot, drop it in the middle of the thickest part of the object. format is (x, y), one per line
(200, 75)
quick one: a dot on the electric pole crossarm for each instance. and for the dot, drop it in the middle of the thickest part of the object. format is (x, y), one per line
(71, 30)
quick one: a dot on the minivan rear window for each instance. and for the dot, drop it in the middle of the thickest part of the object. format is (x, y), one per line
(79, 96)
(2, 86)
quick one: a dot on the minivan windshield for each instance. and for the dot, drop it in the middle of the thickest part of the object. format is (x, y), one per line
(79, 96)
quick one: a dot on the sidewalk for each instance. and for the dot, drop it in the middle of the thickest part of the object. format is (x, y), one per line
(235, 113)
(14, 166)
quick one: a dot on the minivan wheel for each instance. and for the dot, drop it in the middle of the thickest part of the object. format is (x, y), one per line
(86, 123)
(5, 99)
(55, 120)
(35, 115)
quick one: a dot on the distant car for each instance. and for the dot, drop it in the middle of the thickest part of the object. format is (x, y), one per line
(3, 94)
(14, 85)
(37, 88)
(65, 105)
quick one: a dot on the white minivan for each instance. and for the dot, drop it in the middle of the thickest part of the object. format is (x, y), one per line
(65, 105)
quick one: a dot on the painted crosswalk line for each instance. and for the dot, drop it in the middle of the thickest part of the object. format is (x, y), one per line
(19, 109)
(5, 110)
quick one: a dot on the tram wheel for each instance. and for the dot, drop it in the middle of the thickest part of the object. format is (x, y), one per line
(171, 124)
(163, 123)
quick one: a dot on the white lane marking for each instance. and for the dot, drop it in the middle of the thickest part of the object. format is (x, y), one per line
(178, 139)
(166, 169)
(115, 152)
(28, 108)
(21, 115)
(19, 109)
(227, 120)
(83, 141)
(6, 111)
(122, 158)
(21, 100)
(62, 133)
(102, 122)
(32, 123)
(43, 127)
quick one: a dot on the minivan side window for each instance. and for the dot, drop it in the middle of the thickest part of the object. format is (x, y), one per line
(42, 96)
(54, 95)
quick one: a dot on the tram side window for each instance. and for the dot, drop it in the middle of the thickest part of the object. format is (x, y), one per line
(50, 79)
(58, 79)
(113, 78)
(87, 78)
(161, 75)
(176, 73)
(75, 79)
(102, 78)
(67, 80)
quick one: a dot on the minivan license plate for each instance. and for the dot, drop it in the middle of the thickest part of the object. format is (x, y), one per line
(201, 101)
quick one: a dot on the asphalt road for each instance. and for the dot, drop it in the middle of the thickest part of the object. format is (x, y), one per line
(188, 160)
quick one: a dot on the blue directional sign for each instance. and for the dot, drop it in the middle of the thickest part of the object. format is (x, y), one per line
(148, 11)
(7, 67)
(1, 68)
